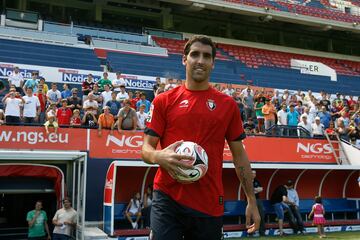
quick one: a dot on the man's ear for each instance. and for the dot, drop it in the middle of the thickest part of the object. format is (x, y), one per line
(184, 60)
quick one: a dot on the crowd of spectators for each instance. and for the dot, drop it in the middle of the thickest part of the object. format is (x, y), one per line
(108, 104)
(297, 114)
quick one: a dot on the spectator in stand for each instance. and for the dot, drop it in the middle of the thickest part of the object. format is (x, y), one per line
(32, 82)
(292, 120)
(324, 116)
(66, 92)
(351, 103)
(239, 103)
(257, 190)
(53, 95)
(282, 116)
(170, 84)
(122, 95)
(286, 97)
(91, 105)
(341, 130)
(299, 107)
(45, 87)
(258, 104)
(51, 110)
(353, 133)
(51, 122)
(42, 100)
(356, 115)
(293, 198)
(64, 113)
(116, 83)
(331, 129)
(13, 102)
(114, 105)
(344, 118)
(276, 104)
(324, 101)
(87, 86)
(141, 116)
(339, 104)
(2, 117)
(16, 79)
(317, 128)
(75, 120)
(248, 101)
(106, 94)
(127, 119)
(334, 112)
(298, 95)
(304, 123)
(228, 90)
(2, 86)
(245, 91)
(143, 101)
(293, 100)
(104, 81)
(74, 102)
(280, 202)
(310, 117)
(106, 121)
(156, 85)
(308, 98)
(268, 110)
(31, 109)
(89, 119)
(131, 98)
(161, 89)
(249, 127)
(276, 97)
(96, 94)
(179, 82)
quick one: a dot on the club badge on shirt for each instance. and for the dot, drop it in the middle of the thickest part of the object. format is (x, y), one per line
(211, 104)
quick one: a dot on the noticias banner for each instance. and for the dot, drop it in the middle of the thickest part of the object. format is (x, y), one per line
(74, 76)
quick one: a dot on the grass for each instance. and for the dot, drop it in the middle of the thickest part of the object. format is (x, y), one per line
(330, 236)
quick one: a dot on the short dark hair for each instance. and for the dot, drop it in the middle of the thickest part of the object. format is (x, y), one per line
(318, 199)
(67, 199)
(202, 39)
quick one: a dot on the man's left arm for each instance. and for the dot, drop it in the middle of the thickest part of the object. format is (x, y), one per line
(243, 172)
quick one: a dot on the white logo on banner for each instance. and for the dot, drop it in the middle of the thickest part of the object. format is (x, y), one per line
(314, 68)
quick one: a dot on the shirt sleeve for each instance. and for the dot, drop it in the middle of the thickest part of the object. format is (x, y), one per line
(156, 120)
(235, 130)
(28, 216)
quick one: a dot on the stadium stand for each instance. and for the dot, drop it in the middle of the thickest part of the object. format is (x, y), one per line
(319, 9)
(48, 55)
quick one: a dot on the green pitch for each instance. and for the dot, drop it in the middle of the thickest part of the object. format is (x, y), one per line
(330, 236)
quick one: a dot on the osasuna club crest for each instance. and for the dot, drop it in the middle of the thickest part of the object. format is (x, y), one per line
(211, 104)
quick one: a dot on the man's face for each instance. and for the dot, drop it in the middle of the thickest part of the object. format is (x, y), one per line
(29, 91)
(54, 87)
(199, 62)
(16, 70)
(90, 78)
(38, 206)
(67, 204)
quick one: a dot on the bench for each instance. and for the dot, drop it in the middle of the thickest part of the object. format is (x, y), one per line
(119, 211)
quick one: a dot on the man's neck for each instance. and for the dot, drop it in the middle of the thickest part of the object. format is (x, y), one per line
(195, 86)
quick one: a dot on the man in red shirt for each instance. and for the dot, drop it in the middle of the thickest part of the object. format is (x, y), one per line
(64, 113)
(195, 112)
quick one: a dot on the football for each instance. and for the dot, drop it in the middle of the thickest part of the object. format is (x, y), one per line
(200, 161)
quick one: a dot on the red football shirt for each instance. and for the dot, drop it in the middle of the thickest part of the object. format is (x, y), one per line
(64, 116)
(207, 118)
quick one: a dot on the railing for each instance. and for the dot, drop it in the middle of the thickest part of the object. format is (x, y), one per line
(288, 132)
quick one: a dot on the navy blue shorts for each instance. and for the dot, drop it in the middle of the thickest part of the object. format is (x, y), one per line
(170, 220)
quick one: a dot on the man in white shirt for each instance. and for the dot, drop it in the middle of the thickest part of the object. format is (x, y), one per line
(282, 116)
(16, 79)
(141, 116)
(106, 95)
(31, 110)
(91, 105)
(122, 95)
(119, 81)
(54, 95)
(12, 108)
(228, 90)
(317, 128)
(305, 124)
(64, 221)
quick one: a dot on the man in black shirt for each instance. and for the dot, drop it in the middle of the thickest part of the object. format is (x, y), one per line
(257, 190)
(279, 201)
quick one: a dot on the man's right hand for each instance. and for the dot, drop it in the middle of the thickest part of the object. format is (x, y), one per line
(170, 161)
